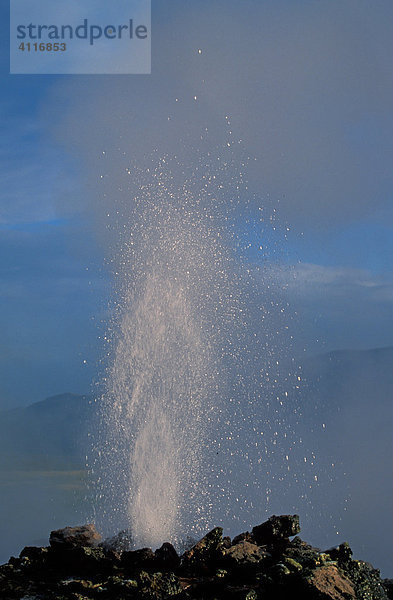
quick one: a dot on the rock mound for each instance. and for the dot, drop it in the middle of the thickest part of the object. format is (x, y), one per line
(262, 565)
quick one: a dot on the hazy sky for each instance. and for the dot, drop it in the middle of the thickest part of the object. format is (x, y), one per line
(308, 90)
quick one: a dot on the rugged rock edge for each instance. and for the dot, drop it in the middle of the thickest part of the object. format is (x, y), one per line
(260, 565)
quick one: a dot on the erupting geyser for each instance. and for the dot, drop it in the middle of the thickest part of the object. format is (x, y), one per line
(158, 382)
(162, 384)
(195, 397)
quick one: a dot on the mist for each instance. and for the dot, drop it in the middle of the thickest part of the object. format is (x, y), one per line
(272, 103)
(296, 84)
(271, 124)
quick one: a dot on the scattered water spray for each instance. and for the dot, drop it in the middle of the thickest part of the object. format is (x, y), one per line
(198, 421)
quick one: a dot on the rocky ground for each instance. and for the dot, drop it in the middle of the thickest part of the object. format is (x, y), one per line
(263, 564)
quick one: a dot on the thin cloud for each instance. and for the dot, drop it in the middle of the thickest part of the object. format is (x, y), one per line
(339, 307)
(309, 277)
(32, 172)
(307, 90)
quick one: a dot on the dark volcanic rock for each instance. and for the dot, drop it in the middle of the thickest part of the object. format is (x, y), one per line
(84, 535)
(342, 553)
(34, 553)
(79, 561)
(212, 569)
(366, 580)
(120, 587)
(244, 537)
(243, 556)
(119, 543)
(276, 529)
(327, 583)
(34, 558)
(305, 554)
(158, 586)
(241, 593)
(204, 553)
(134, 560)
(388, 586)
(167, 557)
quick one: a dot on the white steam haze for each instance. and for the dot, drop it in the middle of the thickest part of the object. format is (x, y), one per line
(303, 86)
(249, 106)
(196, 398)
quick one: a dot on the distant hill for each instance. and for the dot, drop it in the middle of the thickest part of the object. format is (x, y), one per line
(338, 387)
(48, 434)
(345, 403)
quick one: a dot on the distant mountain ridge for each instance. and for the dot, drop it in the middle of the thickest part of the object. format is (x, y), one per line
(345, 400)
(51, 433)
(54, 431)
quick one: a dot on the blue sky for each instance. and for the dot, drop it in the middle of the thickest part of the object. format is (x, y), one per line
(308, 88)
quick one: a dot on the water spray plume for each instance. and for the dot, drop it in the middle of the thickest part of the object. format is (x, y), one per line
(194, 398)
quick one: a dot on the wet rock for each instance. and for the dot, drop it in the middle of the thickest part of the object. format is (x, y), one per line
(112, 557)
(167, 557)
(241, 593)
(243, 537)
(292, 565)
(12, 585)
(243, 556)
(83, 535)
(14, 562)
(205, 587)
(328, 583)
(221, 573)
(342, 553)
(138, 559)
(304, 554)
(158, 586)
(226, 542)
(388, 587)
(188, 583)
(79, 586)
(366, 580)
(279, 571)
(202, 556)
(120, 542)
(92, 559)
(32, 558)
(211, 570)
(34, 553)
(79, 561)
(276, 529)
(119, 587)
